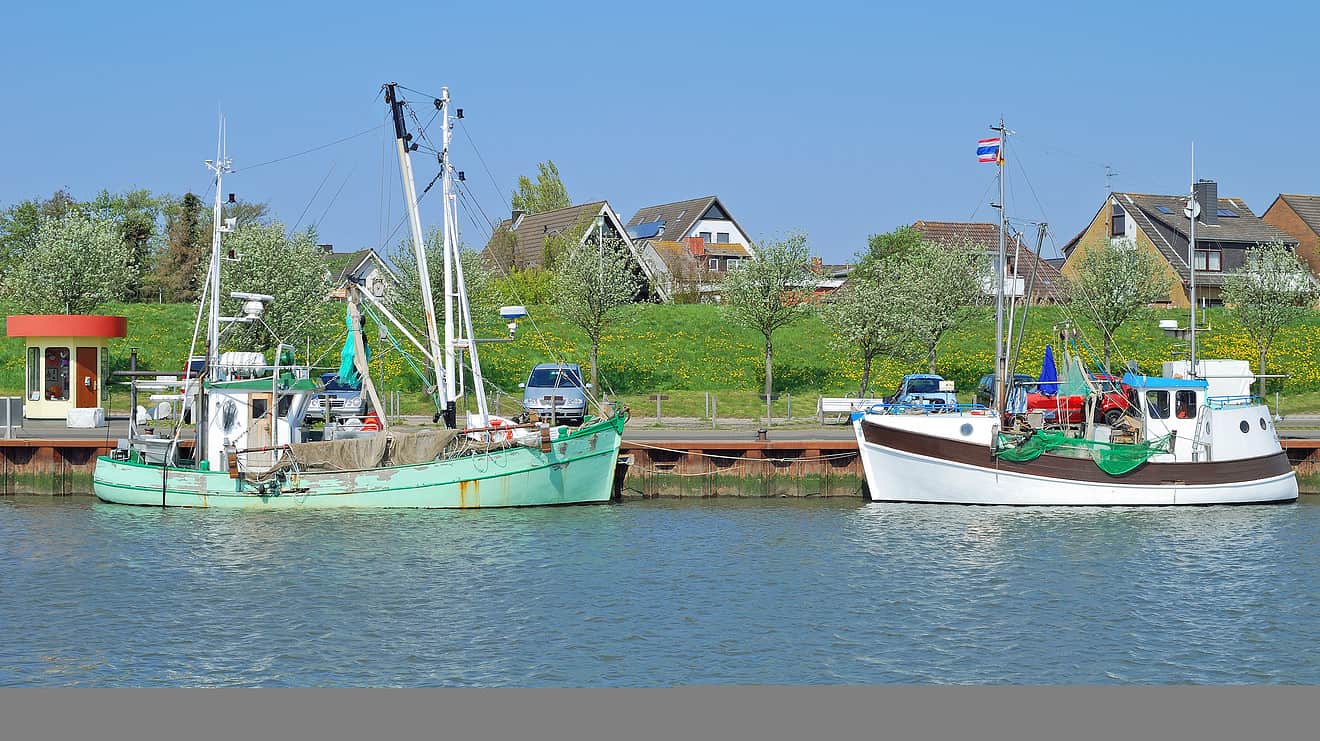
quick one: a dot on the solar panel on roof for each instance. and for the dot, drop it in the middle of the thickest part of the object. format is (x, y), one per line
(1227, 212)
(1163, 209)
(646, 231)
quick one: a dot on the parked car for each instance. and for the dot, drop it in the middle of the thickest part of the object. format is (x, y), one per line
(921, 388)
(341, 399)
(554, 391)
(985, 387)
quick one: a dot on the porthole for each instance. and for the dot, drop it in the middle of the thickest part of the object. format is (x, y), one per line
(966, 429)
(1244, 427)
(1263, 426)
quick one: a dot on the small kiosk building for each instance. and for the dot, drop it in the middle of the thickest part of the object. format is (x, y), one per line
(67, 360)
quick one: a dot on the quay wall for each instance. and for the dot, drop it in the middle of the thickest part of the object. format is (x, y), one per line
(707, 468)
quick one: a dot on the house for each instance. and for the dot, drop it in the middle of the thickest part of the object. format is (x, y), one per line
(827, 278)
(364, 267)
(689, 246)
(1022, 260)
(1298, 216)
(1225, 229)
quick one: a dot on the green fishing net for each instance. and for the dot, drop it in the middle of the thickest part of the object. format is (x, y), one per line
(1114, 459)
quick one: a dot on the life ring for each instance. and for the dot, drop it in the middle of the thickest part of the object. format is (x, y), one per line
(371, 423)
(497, 434)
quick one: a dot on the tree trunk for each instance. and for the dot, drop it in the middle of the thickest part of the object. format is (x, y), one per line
(769, 352)
(866, 377)
(1261, 388)
(931, 351)
(595, 346)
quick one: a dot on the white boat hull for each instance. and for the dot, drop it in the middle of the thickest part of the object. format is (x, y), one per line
(898, 475)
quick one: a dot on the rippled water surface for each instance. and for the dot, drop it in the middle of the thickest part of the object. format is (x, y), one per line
(658, 592)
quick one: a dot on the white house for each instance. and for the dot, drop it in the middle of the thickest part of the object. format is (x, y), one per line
(688, 246)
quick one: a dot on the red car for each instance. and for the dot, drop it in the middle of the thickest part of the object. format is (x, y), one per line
(1066, 409)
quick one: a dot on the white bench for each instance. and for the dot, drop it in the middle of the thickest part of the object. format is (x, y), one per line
(842, 405)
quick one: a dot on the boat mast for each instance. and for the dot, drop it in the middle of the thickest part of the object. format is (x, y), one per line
(455, 285)
(1000, 268)
(401, 142)
(1191, 258)
(220, 165)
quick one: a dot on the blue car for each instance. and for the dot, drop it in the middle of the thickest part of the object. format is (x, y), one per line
(922, 388)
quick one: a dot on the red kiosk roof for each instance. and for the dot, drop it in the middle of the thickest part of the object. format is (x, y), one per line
(66, 325)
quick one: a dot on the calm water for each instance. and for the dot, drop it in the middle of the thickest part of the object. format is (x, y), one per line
(658, 593)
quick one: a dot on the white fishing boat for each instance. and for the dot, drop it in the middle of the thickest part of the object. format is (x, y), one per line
(1178, 444)
(253, 449)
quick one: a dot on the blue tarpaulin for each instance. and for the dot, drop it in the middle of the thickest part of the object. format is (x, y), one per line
(1048, 374)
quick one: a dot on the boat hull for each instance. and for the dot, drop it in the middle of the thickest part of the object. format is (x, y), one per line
(579, 469)
(907, 466)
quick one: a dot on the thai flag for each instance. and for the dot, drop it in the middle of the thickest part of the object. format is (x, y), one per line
(987, 150)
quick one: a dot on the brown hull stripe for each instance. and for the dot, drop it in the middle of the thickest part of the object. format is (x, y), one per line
(1079, 469)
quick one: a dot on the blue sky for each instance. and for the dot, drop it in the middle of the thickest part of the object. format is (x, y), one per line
(840, 119)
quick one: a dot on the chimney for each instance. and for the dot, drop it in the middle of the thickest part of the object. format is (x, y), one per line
(1207, 194)
(326, 248)
(697, 246)
(817, 265)
(516, 219)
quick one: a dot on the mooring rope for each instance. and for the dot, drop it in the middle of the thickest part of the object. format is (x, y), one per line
(829, 457)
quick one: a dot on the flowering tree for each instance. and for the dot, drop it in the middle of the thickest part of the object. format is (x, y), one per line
(763, 292)
(932, 287)
(405, 300)
(1116, 282)
(593, 281)
(72, 264)
(1272, 290)
(863, 315)
(291, 269)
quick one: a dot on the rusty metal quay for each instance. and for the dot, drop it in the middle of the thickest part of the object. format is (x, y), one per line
(48, 458)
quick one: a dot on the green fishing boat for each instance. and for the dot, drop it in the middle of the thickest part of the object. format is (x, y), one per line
(251, 445)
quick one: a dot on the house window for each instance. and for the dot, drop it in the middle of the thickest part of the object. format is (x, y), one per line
(731, 263)
(713, 263)
(1157, 403)
(1209, 260)
(57, 374)
(34, 373)
(704, 235)
(1184, 404)
(722, 237)
(1118, 222)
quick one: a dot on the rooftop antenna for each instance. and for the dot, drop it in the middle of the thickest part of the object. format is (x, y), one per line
(1110, 174)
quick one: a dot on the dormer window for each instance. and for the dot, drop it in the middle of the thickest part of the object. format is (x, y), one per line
(1117, 222)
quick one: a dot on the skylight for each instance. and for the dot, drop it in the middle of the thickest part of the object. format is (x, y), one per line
(1230, 213)
(1163, 209)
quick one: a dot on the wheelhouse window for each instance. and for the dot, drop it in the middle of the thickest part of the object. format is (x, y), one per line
(1117, 222)
(1184, 405)
(1209, 260)
(57, 374)
(1157, 402)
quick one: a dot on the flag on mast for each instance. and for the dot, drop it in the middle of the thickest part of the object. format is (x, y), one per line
(988, 150)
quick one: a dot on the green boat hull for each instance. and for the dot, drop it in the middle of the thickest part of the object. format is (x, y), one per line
(579, 469)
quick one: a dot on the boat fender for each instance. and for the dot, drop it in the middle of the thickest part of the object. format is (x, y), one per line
(231, 460)
(545, 438)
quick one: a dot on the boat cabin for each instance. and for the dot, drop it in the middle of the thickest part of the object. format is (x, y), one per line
(256, 405)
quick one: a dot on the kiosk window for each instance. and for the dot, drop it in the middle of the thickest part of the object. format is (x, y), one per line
(57, 374)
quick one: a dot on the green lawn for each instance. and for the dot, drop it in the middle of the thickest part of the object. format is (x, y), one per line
(688, 350)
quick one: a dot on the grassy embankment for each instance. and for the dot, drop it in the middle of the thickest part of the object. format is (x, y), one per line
(686, 351)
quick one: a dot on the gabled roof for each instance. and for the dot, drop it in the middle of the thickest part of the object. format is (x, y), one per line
(1307, 207)
(532, 231)
(344, 264)
(1168, 231)
(1049, 281)
(677, 217)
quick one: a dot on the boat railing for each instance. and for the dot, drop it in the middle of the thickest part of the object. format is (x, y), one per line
(910, 408)
(1231, 402)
